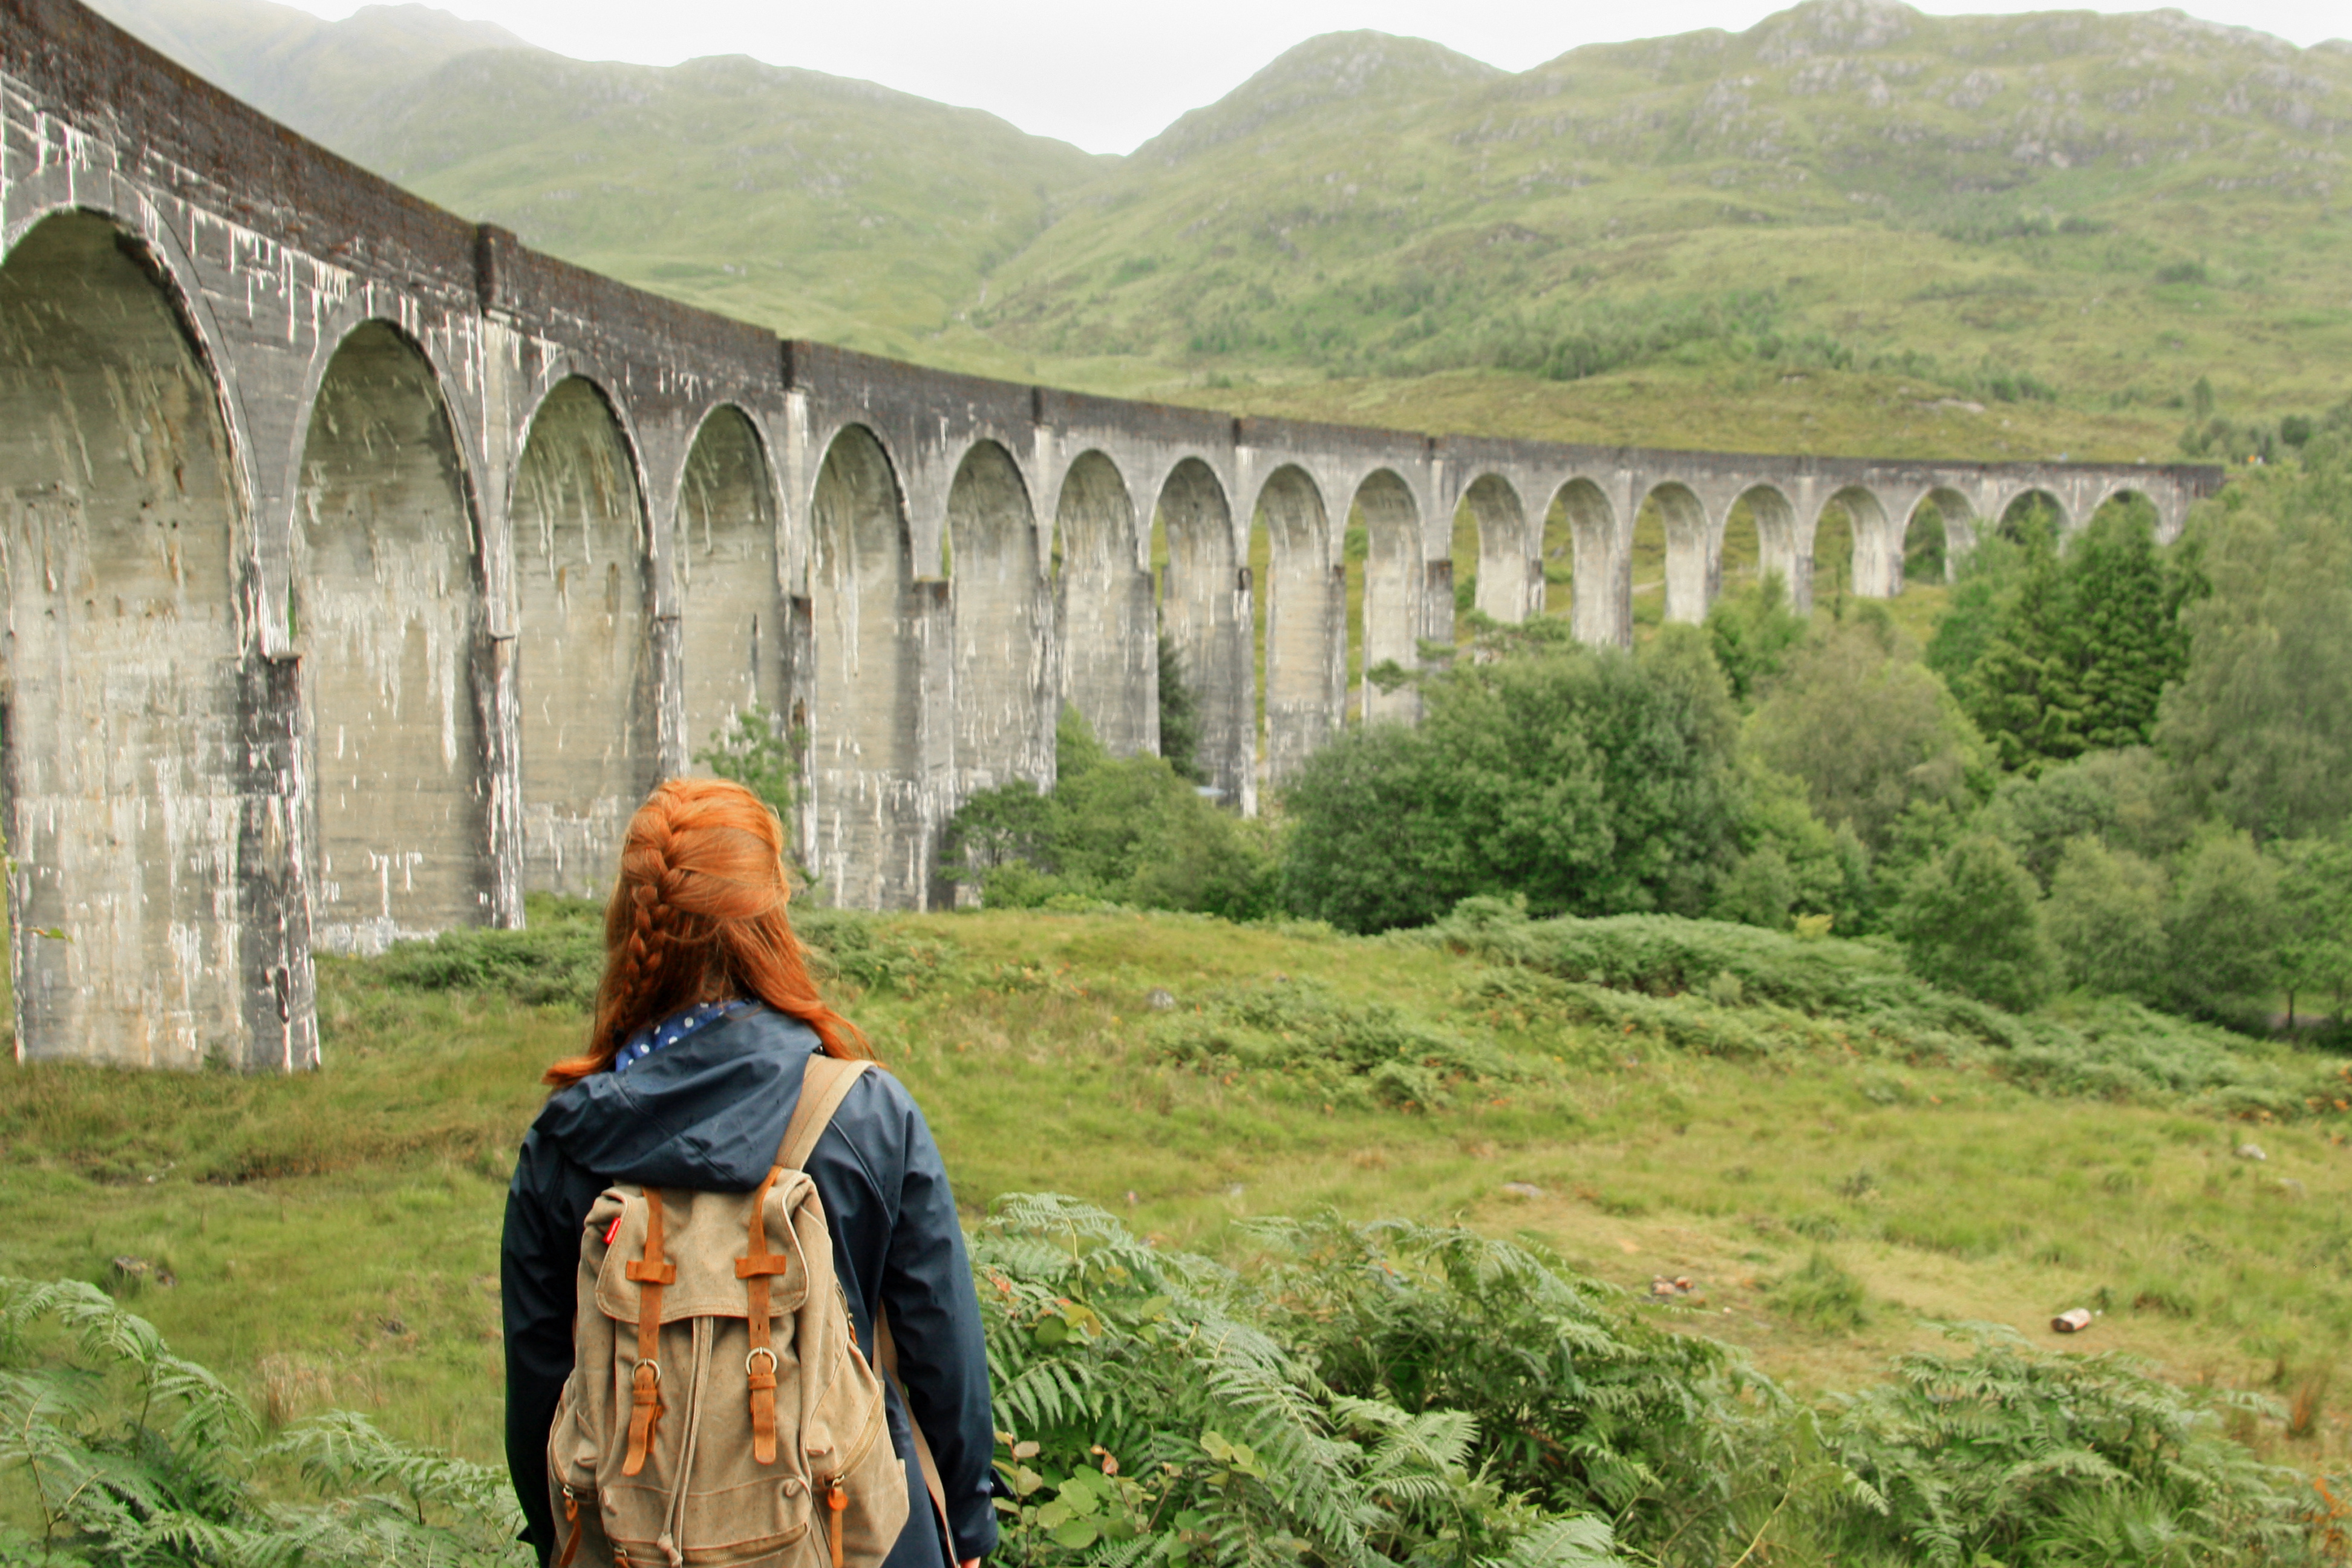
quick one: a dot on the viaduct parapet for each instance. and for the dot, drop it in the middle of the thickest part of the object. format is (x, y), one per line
(363, 568)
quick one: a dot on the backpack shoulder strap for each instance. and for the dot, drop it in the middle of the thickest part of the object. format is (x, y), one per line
(824, 1086)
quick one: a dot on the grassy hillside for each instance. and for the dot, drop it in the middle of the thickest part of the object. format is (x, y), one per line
(1800, 1114)
(1852, 229)
(814, 204)
(2007, 207)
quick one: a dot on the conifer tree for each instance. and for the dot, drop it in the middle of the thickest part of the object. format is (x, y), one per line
(2126, 630)
(2080, 658)
(2022, 693)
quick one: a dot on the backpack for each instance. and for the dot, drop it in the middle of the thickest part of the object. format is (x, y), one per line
(718, 1409)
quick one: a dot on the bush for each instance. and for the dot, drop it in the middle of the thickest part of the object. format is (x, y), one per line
(1871, 735)
(1127, 831)
(1151, 1409)
(2018, 1456)
(1822, 1296)
(1585, 780)
(557, 959)
(2224, 925)
(1667, 980)
(2107, 920)
(125, 1455)
(1971, 922)
(1337, 1052)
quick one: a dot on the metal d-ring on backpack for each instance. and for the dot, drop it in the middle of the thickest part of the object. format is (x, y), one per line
(663, 1453)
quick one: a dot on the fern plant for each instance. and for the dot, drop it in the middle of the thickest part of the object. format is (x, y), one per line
(2016, 1455)
(133, 1458)
(1111, 1357)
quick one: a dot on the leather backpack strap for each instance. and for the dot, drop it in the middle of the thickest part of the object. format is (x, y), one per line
(885, 1356)
(652, 1272)
(755, 1269)
(825, 1085)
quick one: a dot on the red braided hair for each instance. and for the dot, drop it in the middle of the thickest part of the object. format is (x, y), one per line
(698, 915)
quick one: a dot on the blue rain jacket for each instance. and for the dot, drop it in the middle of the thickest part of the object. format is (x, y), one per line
(708, 1113)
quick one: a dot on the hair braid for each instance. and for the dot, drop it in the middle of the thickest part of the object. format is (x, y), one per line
(697, 914)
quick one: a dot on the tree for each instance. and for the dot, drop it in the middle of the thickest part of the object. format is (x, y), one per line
(1588, 780)
(1984, 585)
(1869, 732)
(1760, 890)
(2314, 903)
(1971, 921)
(1798, 863)
(2106, 920)
(760, 752)
(2022, 693)
(1753, 634)
(2076, 653)
(1123, 830)
(2223, 926)
(2126, 799)
(2261, 725)
(2126, 644)
(1180, 716)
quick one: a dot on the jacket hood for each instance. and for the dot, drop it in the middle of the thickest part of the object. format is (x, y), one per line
(708, 1113)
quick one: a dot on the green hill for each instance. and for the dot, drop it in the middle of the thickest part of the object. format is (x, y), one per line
(1853, 227)
(814, 204)
(2011, 207)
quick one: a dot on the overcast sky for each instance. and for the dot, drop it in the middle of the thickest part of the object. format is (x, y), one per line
(1106, 73)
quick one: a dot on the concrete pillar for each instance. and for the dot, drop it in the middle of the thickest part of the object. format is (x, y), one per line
(1437, 602)
(930, 632)
(387, 617)
(1305, 629)
(1687, 563)
(150, 759)
(1006, 697)
(870, 630)
(1877, 545)
(1598, 611)
(279, 1030)
(1393, 591)
(586, 678)
(1205, 608)
(1110, 656)
(733, 616)
(1508, 590)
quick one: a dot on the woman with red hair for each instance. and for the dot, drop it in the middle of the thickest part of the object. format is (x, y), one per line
(705, 1021)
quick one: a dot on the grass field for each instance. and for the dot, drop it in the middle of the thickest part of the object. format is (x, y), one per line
(332, 1237)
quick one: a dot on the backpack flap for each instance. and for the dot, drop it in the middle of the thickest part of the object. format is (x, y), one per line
(703, 1235)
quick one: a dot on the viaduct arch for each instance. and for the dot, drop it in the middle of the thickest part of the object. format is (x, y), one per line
(363, 567)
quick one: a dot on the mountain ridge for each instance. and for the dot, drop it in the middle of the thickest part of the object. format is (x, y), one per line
(2057, 212)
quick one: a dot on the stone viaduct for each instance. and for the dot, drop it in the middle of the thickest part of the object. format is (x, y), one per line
(363, 568)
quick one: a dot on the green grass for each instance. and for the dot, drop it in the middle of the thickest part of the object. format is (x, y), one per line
(334, 1236)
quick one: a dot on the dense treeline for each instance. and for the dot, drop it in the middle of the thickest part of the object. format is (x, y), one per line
(2116, 767)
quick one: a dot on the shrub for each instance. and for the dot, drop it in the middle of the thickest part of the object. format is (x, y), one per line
(1970, 920)
(1870, 735)
(126, 1455)
(2018, 1456)
(1150, 1410)
(2225, 924)
(558, 958)
(2105, 918)
(1364, 1052)
(1578, 1402)
(1127, 831)
(1822, 1296)
(1583, 779)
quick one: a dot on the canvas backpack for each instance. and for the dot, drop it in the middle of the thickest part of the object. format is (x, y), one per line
(718, 1409)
